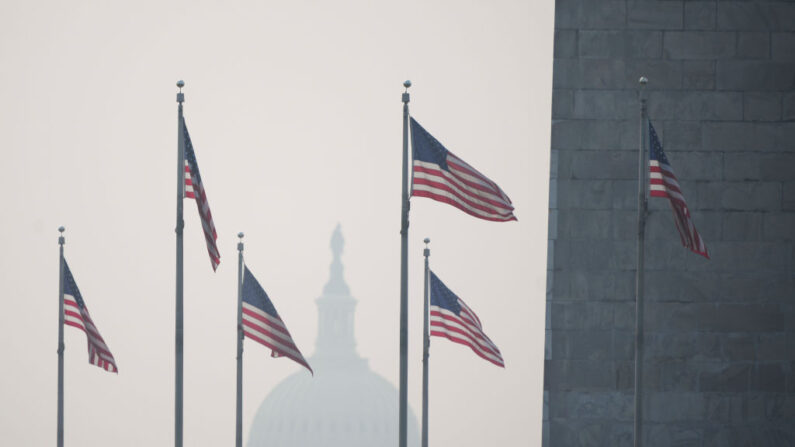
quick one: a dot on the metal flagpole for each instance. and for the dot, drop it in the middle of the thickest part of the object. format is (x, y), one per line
(404, 244)
(180, 227)
(426, 344)
(60, 338)
(638, 416)
(239, 399)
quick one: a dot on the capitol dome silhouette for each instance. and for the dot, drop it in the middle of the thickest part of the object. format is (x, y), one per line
(345, 403)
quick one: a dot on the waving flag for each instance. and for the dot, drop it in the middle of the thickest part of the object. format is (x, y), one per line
(451, 318)
(663, 183)
(441, 176)
(194, 189)
(76, 315)
(262, 323)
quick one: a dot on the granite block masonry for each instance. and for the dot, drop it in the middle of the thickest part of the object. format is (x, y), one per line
(720, 334)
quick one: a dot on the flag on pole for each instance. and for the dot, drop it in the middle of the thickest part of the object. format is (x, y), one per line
(194, 189)
(439, 175)
(663, 183)
(76, 315)
(262, 323)
(451, 318)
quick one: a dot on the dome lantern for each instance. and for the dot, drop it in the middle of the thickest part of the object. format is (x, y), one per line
(345, 403)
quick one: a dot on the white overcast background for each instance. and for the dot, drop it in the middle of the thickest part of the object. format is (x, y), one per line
(295, 112)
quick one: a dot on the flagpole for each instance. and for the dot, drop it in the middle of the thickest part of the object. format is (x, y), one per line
(426, 345)
(60, 338)
(179, 228)
(239, 399)
(404, 244)
(638, 416)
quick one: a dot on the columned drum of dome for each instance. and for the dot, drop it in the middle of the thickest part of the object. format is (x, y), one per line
(346, 403)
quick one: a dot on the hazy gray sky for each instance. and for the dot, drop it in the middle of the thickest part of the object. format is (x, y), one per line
(295, 114)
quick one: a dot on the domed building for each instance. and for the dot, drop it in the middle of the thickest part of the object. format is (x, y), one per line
(345, 403)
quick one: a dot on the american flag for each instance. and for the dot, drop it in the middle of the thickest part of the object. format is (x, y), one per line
(663, 183)
(194, 189)
(76, 315)
(441, 176)
(451, 318)
(262, 323)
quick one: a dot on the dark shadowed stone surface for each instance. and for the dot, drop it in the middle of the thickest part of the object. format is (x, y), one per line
(753, 45)
(719, 334)
(700, 15)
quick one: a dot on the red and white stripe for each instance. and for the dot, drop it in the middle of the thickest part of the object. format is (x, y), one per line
(463, 187)
(196, 191)
(188, 182)
(663, 183)
(98, 352)
(271, 332)
(465, 329)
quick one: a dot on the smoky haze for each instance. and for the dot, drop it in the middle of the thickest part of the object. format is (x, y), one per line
(295, 115)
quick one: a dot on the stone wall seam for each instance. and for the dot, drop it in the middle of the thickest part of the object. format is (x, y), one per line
(719, 333)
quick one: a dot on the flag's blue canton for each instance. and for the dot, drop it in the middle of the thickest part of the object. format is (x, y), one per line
(440, 175)
(663, 183)
(452, 319)
(255, 295)
(656, 148)
(70, 286)
(442, 296)
(262, 323)
(426, 147)
(75, 314)
(190, 156)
